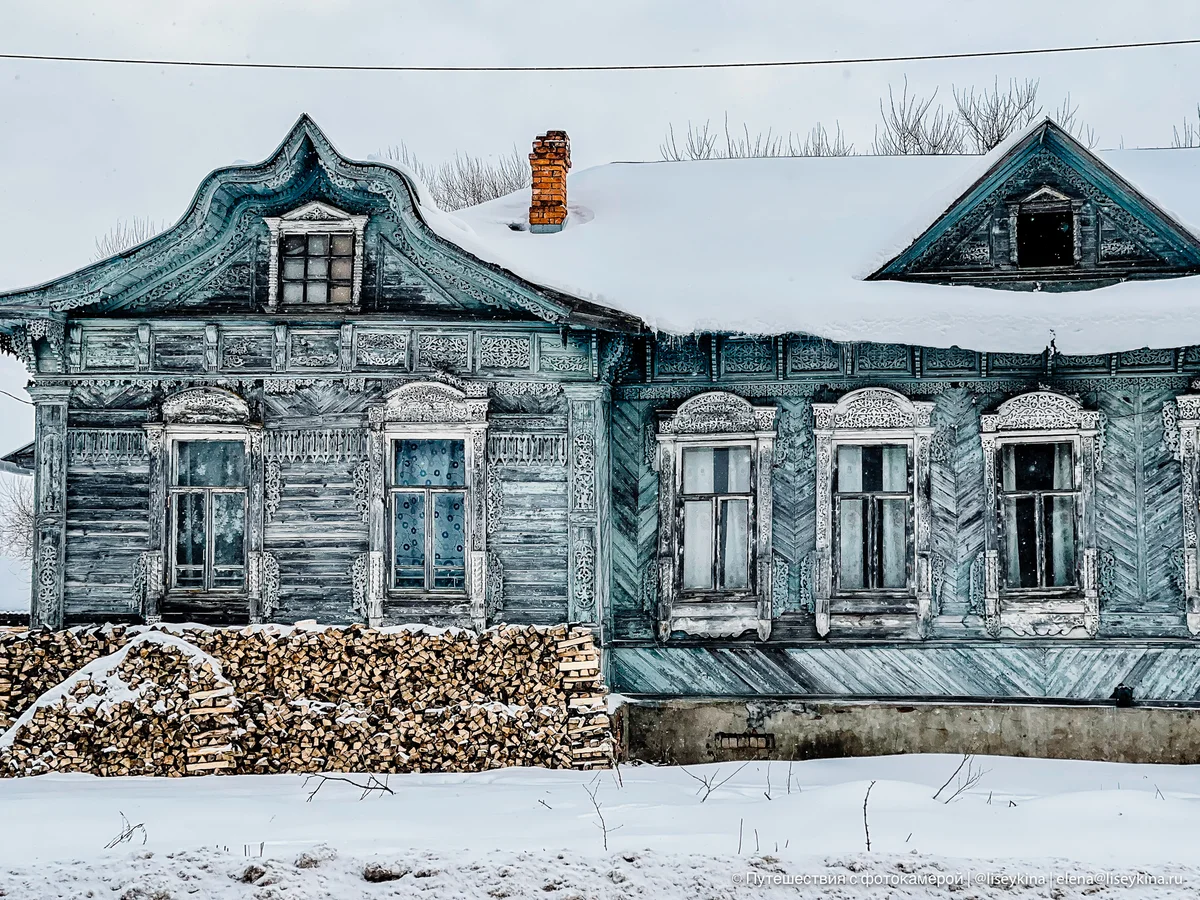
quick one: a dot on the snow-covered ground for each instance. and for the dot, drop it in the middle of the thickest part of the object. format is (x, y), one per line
(1054, 828)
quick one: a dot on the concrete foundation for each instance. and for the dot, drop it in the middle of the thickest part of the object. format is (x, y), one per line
(696, 731)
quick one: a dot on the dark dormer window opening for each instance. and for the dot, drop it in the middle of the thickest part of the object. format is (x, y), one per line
(1045, 231)
(318, 268)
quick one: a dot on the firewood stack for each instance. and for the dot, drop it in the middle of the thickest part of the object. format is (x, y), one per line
(270, 699)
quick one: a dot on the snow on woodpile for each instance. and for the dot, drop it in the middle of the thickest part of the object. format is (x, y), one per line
(775, 245)
(175, 700)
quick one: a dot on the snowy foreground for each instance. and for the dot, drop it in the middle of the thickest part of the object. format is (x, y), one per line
(1026, 828)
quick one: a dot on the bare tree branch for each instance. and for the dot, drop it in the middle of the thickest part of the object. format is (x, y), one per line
(466, 180)
(699, 142)
(16, 516)
(991, 116)
(913, 126)
(127, 233)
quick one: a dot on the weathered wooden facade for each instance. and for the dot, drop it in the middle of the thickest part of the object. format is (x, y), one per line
(305, 401)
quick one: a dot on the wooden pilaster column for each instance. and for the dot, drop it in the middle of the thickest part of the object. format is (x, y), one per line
(588, 538)
(50, 504)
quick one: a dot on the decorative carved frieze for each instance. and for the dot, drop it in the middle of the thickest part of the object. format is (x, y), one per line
(328, 446)
(444, 351)
(105, 348)
(565, 364)
(882, 358)
(247, 351)
(505, 351)
(90, 447)
(532, 449)
(807, 355)
(747, 356)
(949, 359)
(314, 349)
(383, 349)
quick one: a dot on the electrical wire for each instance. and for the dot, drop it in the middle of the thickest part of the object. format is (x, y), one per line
(632, 67)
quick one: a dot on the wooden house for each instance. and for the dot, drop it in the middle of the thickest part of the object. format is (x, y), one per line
(712, 409)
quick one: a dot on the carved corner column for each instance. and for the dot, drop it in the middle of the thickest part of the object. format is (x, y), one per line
(587, 464)
(823, 576)
(50, 504)
(1087, 460)
(991, 541)
(376, 523)
(765, 446)
(154, 559)
(665, 555)
(257, 568)
(477, 586)
(923, 525)
(1188, 449)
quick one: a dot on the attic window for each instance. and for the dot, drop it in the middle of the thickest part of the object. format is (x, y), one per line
(1045, 231)
(316, 257)
(318, 268)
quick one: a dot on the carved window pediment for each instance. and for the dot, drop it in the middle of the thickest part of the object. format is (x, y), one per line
(1041, 561)
(429, 402)
(205, 406)
(717, 412)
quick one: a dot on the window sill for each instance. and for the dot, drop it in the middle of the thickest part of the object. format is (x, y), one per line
(1046, 615)
(722, 617)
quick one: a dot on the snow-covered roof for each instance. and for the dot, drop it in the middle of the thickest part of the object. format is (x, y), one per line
(776, 245)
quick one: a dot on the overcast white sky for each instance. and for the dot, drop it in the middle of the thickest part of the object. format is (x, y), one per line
(85, 145)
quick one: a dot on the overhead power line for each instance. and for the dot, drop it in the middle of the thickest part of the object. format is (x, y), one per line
(651, 67)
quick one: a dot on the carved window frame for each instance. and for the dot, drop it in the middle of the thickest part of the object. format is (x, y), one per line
(864, 417)
(199, 414)
(714, 419)
(427, 410)
(314, 218)
(1042, 417)
(1051, 199)
(1187, 450)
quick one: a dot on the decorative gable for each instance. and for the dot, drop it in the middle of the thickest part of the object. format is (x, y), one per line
(1048, 214)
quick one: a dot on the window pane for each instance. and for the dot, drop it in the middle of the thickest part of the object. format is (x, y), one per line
(211, 463)
(318, 244)
(449, 550)
(340, 294)
(408, 541)
(318, 269)
(229, 529)
(1059, 529)
(1038, 467)
(1020, 542)
(849, 469)
(293, 269)
(293, 245)
(895, 468)
(697, 545)
(190, 542)
(735, 561)
(293, 292)
(318, 292)
(341, 269)
(343, 244)
(893, 539)
(698, 470)
(872, 468)
(732, 470)
(431, 463)
(851, 541)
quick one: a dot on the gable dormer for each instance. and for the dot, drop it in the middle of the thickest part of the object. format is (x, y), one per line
(1048, 213)
(316, 257)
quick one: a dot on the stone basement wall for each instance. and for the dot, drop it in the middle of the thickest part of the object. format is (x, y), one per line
(189, 700)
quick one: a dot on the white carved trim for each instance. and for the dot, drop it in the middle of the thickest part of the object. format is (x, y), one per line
(715, 418)
(315, 218)
(874, 416)
(1043, 417)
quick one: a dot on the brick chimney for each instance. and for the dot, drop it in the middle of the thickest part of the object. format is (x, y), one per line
(550, 162)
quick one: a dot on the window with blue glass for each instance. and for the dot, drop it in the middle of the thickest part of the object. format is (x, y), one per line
(428, 503)
(208, 516)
